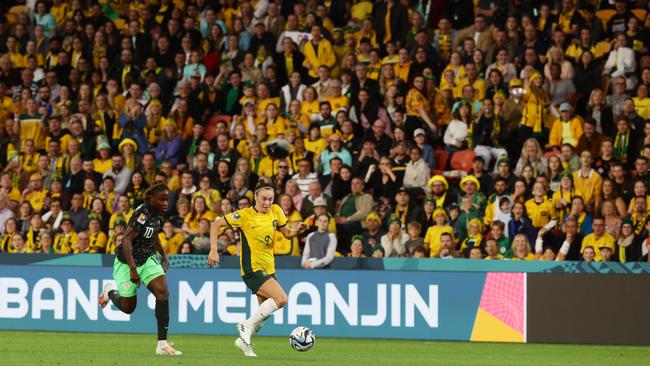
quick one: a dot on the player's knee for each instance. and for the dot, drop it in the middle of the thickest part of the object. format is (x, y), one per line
(129, 309)
(162, 294)
(281, 300)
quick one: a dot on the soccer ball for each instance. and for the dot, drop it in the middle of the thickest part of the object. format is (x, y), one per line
(302, 339)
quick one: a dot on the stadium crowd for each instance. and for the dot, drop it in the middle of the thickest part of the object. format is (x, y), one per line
(479, 129)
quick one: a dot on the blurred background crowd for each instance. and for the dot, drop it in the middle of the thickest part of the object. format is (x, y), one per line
(496, 129)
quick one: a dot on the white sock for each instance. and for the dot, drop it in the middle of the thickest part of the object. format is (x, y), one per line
(162, 343)
(265, 310)
(258, 326)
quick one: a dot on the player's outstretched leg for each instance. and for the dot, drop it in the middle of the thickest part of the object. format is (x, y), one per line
(274, 298)
(124, 298)
(246, 348)
(126, 304)
(259, 324)
(158, 288)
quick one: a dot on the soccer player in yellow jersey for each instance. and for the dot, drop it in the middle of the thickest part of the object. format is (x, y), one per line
(256, 225)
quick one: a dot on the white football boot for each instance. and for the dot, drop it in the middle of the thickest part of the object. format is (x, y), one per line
(245, 332)
(244, 347)
(103, 297)
(165, 348)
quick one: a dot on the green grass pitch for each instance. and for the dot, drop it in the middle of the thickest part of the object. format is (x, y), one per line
(94, 349)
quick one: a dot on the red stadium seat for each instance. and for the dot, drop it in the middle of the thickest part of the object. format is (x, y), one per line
(211, 61)
(441, 161)
(462, 160)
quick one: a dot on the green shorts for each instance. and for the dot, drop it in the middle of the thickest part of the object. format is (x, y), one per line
(255, 280)
(150, 270)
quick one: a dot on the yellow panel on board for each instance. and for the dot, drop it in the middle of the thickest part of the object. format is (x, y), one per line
(487, 328)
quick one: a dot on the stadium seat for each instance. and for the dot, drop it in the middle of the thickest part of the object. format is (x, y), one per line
(603, 47)
(639, 14)
(462, 160)
(211, 61)
(442, 156)
(605, 15)
(14, 11)
(120, 24)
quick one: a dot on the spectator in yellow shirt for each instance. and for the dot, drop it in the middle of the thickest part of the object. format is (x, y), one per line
(361, 10)
(474, 237)
(310, 104)
(64, 241)
(318, 51)
(97, 239)
(35, 193)
(478, 84)
(32, 236)
(29, 158)
(199, 211)
(6, 241)
(211, 195)
(567, 129)
(432, 236)
(275, 124)
(170, 239)
(282, 245)
(606, 253)
(338, 102)
(598, 239)
(314, 142)
(403, 65)
(123, 212)
(587, 181)
(103, 162)
(539, 208)
(562, 197)
(642, 102)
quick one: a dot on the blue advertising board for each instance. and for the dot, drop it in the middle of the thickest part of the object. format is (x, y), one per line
(396, 304)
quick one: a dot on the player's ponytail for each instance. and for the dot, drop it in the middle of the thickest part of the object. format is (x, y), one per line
(153, 189)
(263, 184)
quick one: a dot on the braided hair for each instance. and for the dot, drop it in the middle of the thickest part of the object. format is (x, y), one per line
(153, 189)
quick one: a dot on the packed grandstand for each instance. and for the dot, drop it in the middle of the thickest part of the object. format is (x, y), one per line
(441, 129)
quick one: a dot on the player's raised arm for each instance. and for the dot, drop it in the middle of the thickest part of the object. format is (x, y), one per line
(213, 257)
(293, 229)
(127, 247)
